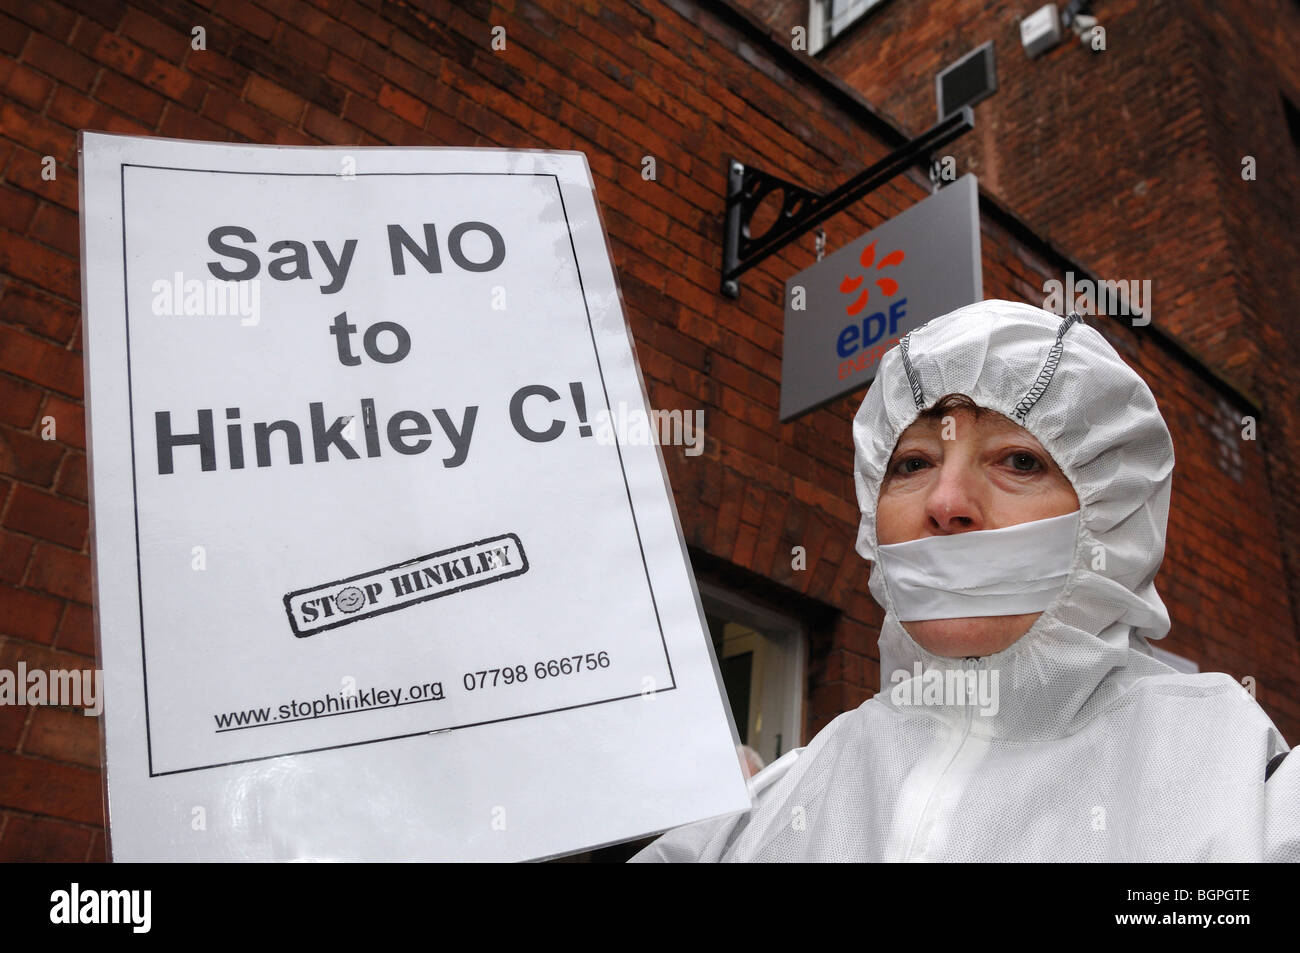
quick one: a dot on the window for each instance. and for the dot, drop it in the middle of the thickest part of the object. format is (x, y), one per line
(827, 19)
(760, 658)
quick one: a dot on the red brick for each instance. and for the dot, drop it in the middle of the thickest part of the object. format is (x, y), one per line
(46, 516)
(28, 615)
(43, 840)
(106, 13)
(15, 551)
(288, 136)
(57, 228)
(29, 88)
(329, 128)
(218, 69)
(724, 534)
(751, 510)
(243, 118)
(773, 521)
(850, 574)
(77, 630)
(161, 76)
(39, 312)
(423, 84)
(34, 656)
(827, 701)
(13, 36)
(446, 131)
(50, 788)
(37, 264)
(76, 111)
(48, 18)
(22, 126)
(29, 458)
(274, 99)
(31, 357)
(57, 60)
(339, 37)
(72, 477)
(404, 106)
(13, 722)
(248, 17)
(746, 540)
(60, 572)
(297, 46)
(63, 734)
(18, 402)
(366, 21)
(109, 49)
(380, 122)
(181, 124)
(153, 35)
(129, 97)
(16, 209)
(832, 667)
(355, 77)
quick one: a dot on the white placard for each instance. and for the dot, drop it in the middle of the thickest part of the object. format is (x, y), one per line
(374, 576)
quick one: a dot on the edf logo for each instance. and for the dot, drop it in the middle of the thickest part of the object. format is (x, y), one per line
(858, 337)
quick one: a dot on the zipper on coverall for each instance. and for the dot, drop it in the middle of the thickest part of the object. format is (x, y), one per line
(925, 821)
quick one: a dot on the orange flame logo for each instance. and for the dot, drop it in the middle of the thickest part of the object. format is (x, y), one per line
(887, 285)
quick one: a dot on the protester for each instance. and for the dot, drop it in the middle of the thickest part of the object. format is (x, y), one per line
(1014, 478)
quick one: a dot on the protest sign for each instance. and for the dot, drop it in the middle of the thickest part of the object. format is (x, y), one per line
(368, 583)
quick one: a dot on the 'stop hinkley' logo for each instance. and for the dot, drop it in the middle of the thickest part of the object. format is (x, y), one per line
(403, 584)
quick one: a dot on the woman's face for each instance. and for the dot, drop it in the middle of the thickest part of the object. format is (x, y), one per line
(959, 474)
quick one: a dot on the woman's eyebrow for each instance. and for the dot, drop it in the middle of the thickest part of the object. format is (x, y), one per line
(916, 436)
(912, 443)
(921, 427)
(1000, 426)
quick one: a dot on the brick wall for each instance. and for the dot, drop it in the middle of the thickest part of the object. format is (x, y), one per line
(690, 85)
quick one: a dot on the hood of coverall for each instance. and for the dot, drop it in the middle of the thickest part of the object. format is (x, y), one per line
(1060, 380)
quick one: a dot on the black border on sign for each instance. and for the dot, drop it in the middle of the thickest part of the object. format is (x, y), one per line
(135, 492)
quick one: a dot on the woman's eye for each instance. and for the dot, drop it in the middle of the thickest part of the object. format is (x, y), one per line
(1024, 462)
(905, 466)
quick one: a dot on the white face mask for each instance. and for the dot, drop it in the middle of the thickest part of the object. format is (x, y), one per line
(1009, 571)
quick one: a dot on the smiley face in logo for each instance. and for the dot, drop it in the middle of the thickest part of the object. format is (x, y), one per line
(350, 599)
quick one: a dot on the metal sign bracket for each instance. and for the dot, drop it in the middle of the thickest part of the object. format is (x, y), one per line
(801, 208)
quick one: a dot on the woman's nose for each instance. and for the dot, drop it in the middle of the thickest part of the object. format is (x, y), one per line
(953, 505)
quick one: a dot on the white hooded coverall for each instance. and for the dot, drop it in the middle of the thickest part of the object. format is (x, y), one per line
(1096, 751)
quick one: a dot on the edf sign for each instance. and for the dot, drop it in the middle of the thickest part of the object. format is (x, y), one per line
(846, 311)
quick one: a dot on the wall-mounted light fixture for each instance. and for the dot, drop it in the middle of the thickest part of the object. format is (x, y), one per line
(1043, 29)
